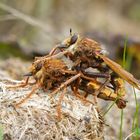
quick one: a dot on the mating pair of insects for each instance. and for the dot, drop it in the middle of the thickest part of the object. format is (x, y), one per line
(91, 71)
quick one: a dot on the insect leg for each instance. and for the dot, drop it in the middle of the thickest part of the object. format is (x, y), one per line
(59, 104)
(102, 87)
(65, 84)
(88, 78)
(27, 97)
(118, 84)
(97, 75)
(52, 52)
(61, 48)
(94, 80)
(108, 94)
(74, 88)
(119, 91)
(58, 55)
(48, 57)
(25, 83)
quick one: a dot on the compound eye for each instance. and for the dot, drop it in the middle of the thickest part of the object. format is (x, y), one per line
(73, 39)
(38, 66)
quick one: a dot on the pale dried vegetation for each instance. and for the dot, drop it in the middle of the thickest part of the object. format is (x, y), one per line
(37, 117)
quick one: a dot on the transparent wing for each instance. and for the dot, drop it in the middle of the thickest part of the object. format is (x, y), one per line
(121, 72)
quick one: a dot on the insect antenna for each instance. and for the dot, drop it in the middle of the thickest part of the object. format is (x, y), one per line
(70, 31)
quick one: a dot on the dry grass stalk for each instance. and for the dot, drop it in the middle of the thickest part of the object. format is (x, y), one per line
(36, 118)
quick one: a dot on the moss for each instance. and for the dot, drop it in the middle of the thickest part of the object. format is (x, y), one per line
(8, 50)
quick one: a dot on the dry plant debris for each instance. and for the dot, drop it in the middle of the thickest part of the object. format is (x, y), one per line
(36, 118)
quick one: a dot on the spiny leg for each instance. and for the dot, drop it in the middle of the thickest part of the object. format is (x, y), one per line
(92, 76)
(59, 104)
(21, 84)
(88, 78)
(101, 75)
(58, 55)
(69, 72)
(93, 80)
(48, 57)
(120, 91)
(65, 84)
(119, 87)
(102, 87)
(52, 52)
(77, 94)
(108, 94)
(117, 83)
(75, 87)
(27, 96)
(61, 49)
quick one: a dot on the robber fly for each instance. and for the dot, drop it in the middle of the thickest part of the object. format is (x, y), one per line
(87, 53)
(52, 74)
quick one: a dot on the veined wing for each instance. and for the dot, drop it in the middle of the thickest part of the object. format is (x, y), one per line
(121, 72)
